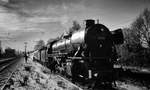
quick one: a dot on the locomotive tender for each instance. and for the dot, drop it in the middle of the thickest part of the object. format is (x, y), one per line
(86, 55)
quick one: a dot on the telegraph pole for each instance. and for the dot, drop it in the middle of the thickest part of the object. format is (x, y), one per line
(25, 43)
(0, 48)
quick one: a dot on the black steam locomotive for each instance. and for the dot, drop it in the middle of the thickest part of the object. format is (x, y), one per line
(86, 55)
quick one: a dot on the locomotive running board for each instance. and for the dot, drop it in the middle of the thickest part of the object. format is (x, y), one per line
(87, 58)
(59, 54)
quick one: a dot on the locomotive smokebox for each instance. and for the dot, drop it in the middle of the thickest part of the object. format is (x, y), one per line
(89, 22)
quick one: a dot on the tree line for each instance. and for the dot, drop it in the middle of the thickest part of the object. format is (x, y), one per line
(8, 52)
(136, 48)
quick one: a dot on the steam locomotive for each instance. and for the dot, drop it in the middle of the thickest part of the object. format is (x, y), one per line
(86, 55)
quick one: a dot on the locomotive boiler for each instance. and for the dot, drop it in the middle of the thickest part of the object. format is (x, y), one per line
(85, 37)
(87, 54)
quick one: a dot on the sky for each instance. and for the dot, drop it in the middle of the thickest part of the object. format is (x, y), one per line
(31, 20)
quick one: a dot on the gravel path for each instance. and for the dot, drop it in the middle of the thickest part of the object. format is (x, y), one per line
(33, 76)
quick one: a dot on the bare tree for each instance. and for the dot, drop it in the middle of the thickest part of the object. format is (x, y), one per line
(132, 40)
(136, 38)
(141, 28)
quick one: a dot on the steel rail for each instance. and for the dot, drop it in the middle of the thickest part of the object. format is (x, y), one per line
(10, 75)
(3, 60)
(3, 67)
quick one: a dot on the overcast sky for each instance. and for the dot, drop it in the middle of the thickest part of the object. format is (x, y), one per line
(31, 20)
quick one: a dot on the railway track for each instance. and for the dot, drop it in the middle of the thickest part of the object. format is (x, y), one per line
(8, 67)
(5, 63)
(7, 59)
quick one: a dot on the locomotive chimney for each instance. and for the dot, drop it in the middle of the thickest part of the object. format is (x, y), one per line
(97, 21)
(89, 22)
